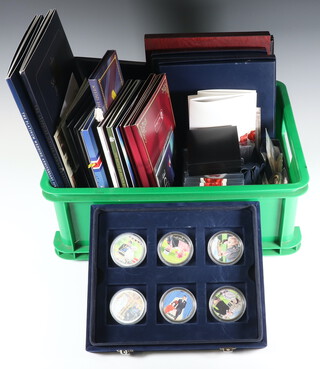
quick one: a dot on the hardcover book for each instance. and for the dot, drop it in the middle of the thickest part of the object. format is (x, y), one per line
(74, 93)
(106, 81)
(152, 127)
(94, 155)
(69, 159)
(164, 171)
(218, 40)
(116, 174)
(74, 122)
(46, 72)
(78, 111)
(43, 142)
(127, 135)
(108, 157)
(198, 56)
(81, 147)
(187, 77)
(120, 111)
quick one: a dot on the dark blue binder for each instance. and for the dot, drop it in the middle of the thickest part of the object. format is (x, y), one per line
(200, 276)
(46, 71)
(49, 157)
(186, 77)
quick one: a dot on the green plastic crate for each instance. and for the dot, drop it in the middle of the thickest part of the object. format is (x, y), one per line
(278, 203)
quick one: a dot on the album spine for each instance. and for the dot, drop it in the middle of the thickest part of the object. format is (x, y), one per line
(36, 136)
(48, 137)
(95, 89)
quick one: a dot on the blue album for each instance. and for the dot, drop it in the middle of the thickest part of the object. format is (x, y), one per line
(188, 75)
(175, 276)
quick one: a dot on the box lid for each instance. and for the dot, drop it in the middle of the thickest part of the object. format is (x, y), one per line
(215, 290)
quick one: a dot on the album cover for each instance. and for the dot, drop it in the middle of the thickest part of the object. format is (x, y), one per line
(93, 150)
(152, 126)
(43, 142)
(217, 40)
(106, 80)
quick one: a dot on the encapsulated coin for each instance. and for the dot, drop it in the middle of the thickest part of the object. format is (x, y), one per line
(128, 306)
(175, 248)
(128, 250)
(227, 304)
(225, 247)
(178, 305)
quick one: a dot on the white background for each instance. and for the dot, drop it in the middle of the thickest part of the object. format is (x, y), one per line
(43, 298)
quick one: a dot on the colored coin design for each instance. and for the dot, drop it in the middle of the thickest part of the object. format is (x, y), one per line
(177, 305)
(175, 249)
(128, 306)
(225, 248)
(128, 250)
(227, 304)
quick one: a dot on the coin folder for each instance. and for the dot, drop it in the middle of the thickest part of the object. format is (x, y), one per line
(201, 276)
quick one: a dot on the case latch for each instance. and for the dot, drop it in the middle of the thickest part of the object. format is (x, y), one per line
(125, 352)
(227, 349)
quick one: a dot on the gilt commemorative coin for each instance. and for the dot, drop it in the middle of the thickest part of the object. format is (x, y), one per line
(128, 250)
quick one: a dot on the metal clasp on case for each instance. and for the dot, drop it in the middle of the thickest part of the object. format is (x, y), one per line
(125, 352)
(227, 349)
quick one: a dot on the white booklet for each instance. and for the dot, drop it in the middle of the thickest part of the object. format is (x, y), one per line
(213, 108)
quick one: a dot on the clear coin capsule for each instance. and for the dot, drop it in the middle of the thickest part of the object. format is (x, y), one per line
(178, 305)
(227, 304)
(175, 249)
(225, 248)
(128, 306)
(128, 250)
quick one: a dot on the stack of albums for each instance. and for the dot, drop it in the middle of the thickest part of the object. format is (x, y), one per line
(91, 123)
(110, 123)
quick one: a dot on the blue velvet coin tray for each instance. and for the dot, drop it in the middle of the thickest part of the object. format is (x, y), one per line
(152, 278)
